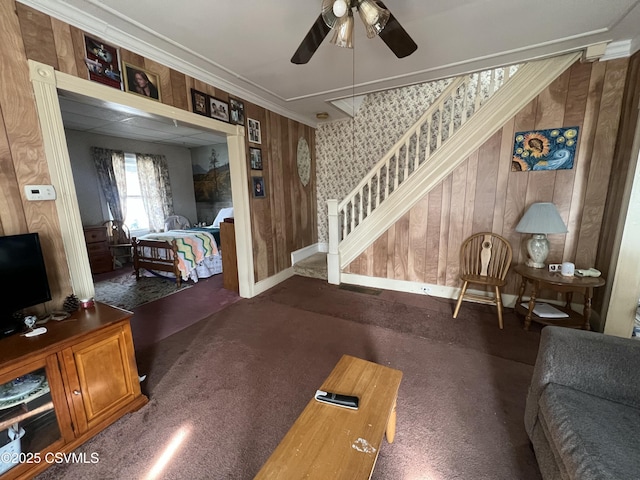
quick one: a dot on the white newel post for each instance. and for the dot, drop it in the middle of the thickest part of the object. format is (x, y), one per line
(333, 257)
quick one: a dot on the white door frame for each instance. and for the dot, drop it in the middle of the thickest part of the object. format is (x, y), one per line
(46, 83)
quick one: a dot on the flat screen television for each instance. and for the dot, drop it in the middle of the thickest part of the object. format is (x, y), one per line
(23, 279)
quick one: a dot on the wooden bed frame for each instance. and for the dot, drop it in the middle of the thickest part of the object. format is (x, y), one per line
(159, 255)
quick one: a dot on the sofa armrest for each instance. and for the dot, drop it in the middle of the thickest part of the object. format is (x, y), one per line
(598, 364)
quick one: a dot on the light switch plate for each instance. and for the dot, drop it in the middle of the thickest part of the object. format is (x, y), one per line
(40, 192)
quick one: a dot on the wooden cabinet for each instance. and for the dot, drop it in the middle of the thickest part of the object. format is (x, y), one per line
(97, 241)
(229, 257)
(87, 365)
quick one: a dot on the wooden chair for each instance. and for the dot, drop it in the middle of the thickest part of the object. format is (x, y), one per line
(119, 242)
(484, 260)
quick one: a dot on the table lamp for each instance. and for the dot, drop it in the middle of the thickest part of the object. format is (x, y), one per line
(539, 220)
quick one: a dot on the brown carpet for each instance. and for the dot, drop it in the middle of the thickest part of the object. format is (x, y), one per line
(235, 382)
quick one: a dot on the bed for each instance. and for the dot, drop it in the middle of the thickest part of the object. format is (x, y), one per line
(181, 254)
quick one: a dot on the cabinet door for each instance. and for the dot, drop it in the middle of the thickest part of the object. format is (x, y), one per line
(34, 416)
(102, 376)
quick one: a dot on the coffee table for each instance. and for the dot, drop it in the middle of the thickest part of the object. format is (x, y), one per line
(330, 442)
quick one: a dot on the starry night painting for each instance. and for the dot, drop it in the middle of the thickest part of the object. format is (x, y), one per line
(552, 149)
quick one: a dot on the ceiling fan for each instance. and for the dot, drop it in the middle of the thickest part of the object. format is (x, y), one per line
(337, 15)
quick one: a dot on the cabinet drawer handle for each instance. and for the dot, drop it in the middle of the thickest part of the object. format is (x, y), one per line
(76, 392)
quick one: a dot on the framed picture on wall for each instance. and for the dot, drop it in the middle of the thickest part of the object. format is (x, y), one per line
(141, 82)
(102, 62)
(200, 102)
(219, 109)
(254, 130)
(258, 187)
(255, 155)
(237, 111)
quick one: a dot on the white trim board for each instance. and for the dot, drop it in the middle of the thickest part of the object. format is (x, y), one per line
(306, 252)
(439, 291)
(46, 82)
(272, 281)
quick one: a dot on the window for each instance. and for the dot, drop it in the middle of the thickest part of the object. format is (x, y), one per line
(136, 218)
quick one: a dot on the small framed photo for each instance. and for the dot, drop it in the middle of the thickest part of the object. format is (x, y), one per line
(141, 82)
(254, 130)
(258, 187)
(200, 102)
(103, 64)
(255, 155)
(237, 111)
(218, 109)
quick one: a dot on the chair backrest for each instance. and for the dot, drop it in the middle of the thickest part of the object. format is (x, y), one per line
(176, 222)
(486, 254)
(117, 232)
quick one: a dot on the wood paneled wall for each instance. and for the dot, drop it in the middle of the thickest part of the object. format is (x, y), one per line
(483, 194)
(282, 222)
(621, 164)
(285, 219)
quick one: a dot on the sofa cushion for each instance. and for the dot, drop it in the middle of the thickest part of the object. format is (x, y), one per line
(595, 438)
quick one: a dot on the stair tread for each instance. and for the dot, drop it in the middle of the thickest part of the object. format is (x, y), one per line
(314, 266)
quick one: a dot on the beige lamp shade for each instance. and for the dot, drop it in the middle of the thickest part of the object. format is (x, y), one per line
(540, 219)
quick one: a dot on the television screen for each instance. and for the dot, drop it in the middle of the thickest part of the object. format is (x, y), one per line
(23, 278)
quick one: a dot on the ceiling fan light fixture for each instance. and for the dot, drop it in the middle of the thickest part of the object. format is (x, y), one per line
(343, 31)
(373, 16)
(339, 8)
(328, 15)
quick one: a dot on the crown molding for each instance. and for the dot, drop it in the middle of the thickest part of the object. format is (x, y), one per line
(615, 50)
(98, 27)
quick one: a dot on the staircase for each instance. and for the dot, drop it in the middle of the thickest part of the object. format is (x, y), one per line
(314, 266)
(446, 134)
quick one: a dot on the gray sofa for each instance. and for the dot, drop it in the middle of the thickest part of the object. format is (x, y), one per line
(583, 408)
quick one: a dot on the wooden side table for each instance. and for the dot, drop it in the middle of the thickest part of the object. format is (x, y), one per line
(541, 278)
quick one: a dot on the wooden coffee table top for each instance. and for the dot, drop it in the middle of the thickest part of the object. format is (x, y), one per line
(330, 442)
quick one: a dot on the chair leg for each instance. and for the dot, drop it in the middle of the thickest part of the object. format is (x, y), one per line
(462, 292)
(499, 306)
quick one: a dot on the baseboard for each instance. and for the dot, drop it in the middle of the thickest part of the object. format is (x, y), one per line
(272, 281)
(306, 252)
(440, 291)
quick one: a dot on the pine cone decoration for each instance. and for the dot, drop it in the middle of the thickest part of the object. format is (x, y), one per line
(71, 304)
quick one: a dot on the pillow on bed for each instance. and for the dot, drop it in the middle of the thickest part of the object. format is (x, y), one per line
(222, 214)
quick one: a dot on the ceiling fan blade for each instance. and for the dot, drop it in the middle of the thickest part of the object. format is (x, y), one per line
(311, 42)
(396, 37)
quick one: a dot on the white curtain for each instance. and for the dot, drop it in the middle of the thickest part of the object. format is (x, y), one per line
(155, 189)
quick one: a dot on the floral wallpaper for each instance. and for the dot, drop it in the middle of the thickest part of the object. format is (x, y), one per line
(381, 120)
(347, 149)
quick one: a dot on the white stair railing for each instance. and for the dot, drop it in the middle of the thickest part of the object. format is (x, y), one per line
(458, 102)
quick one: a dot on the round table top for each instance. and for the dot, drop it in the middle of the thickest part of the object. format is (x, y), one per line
(556, 278)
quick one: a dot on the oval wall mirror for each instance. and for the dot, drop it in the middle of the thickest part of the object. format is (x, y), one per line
(304, 161)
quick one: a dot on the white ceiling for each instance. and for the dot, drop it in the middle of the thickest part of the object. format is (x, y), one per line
(245, 46)
(95, 116)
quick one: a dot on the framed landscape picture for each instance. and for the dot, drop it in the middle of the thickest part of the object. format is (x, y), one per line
(237, 111)
(254, 130)
(200, 102)
(141, 82)
(219, 109)
(255, 154)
